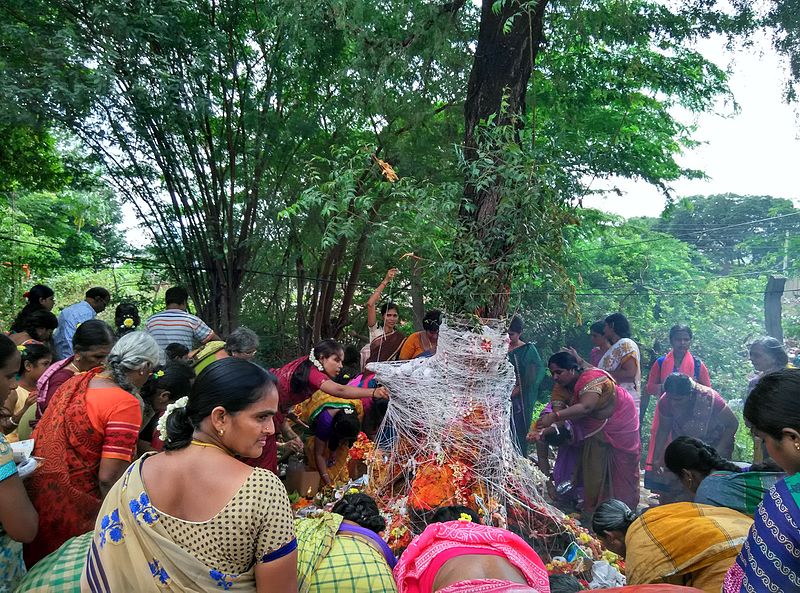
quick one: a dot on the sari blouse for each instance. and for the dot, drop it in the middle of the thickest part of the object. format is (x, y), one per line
(137, 547)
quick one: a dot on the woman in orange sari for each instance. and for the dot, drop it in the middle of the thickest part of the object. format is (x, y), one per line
(87, 438)
(606, 414)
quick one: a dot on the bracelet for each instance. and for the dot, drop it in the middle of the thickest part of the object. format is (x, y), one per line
(558, 416)
(12, 421)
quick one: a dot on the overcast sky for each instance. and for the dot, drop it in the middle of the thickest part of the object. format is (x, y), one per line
(756, 151)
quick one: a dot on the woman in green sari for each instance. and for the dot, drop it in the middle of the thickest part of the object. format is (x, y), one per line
(529, 371)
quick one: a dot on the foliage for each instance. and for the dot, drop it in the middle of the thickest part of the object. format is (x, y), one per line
(28, 159)
(756, 233)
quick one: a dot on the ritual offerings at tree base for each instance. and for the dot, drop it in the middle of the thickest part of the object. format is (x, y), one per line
(446, 440)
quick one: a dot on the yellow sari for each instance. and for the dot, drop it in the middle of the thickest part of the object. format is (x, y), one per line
(684, 544)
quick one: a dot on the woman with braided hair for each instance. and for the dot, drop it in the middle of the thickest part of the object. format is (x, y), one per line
(716, 481)
(88, 438)
(343, 551)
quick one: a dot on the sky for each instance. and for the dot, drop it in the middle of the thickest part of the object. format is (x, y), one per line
(755, 151)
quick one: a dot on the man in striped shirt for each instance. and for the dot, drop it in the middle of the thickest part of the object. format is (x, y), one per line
(176, 325)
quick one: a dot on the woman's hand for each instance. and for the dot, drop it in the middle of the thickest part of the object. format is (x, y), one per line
(380, 392)
(31, 399)
(295, 445)
(546, 420)
(533, 435)
(390, 275)
(326, 479)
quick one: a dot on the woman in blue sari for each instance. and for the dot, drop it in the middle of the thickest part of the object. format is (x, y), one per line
(770, 558)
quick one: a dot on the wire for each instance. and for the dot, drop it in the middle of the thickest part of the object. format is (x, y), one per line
(686, 234)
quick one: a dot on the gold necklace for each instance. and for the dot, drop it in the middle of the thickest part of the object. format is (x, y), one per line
(215, 446)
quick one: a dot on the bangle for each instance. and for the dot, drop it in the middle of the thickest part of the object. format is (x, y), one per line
(558, 416)
(12, 421)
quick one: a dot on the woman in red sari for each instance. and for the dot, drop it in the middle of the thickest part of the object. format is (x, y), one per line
(606, 413)
(297, 381)
(87, 438)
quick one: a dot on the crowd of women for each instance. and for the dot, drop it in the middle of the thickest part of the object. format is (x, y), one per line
(159, 461)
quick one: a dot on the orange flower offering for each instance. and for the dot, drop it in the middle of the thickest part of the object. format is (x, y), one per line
(362, 448)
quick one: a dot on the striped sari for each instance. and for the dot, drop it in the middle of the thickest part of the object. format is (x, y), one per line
(684, 544)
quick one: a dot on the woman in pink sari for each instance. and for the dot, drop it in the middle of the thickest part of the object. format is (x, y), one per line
(606, 413)
(456, 554)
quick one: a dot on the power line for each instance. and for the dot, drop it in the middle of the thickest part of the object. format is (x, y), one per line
(686, 234)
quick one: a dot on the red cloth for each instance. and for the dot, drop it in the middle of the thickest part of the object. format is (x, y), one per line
(659, 373)
(65, 490)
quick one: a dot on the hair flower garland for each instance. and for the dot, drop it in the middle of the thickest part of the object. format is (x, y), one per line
(465, 517)
(158, 374)
(128, 323)
(161, 427)
(313, 360)
(21, 348)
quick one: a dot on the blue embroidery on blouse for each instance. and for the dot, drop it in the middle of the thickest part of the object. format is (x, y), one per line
(111, 528)
(224, 581)
(127, 477)
(158, 572)
(144, 512)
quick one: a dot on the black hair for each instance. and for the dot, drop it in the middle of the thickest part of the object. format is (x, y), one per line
(33, 352)
(176, 377)
(233, 383)
(175, 351)
(768, 465)
(98, 292)
(352, 356)
(432, 320)
(564, 360)
(689, 453)
(612, 515)
(361, 510)
(324, 349)
(774, 349)
(91, 334)
(772, 405)
(598, 327)
(679, 328)
(679, 384)
(34, 295)
(37, 319)
(453, 513)
(620, 323)
(345, 429)
(389, 305)
(7, 349)
(564, 583)
(122, 313)
(374, 416)
(177, 295)
(516, 325)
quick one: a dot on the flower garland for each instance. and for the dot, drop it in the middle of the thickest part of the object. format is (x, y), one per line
(313, 360)
(128, 323)
(161, 427)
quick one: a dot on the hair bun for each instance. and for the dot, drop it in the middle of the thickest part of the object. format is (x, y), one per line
(27, 294)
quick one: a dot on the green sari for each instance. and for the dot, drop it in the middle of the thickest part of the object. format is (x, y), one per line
(529, 371)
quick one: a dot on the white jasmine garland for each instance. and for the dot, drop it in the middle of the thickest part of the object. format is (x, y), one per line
(161, 427)
(315, 362)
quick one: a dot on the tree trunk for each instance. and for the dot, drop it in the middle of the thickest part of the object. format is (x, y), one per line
(773, 309)
(497, 88)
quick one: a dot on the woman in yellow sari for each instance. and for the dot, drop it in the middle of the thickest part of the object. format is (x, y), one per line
(335, 424)
(195, 518)
(680, 544)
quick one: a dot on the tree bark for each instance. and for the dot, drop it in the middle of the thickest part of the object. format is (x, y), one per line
(497, 89)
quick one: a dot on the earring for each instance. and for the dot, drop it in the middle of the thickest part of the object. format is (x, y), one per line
(221, 432)
(797, 446)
